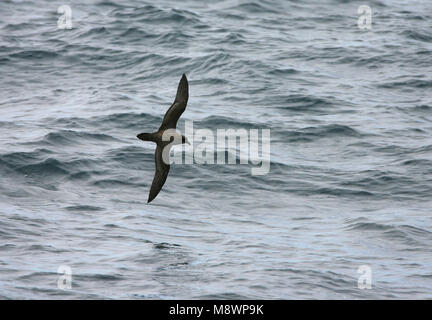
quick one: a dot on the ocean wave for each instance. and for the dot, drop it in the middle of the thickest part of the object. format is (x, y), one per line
(261, 7)
(150, 14)
(411, 83)
(69, 137)
(125, 120)
(227, 122)
(301, 103)
(418, 35)
(85, 208)
(49, 167)
(46, 165)
(232, 38)
(406, 234)
(309, 134)
(34, 54)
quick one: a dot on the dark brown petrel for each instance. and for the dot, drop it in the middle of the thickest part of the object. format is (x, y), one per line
(169, 122)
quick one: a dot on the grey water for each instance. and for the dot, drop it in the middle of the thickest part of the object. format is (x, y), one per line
(350, 183)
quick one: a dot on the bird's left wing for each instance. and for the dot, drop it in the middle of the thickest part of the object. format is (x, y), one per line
(178, 107)
(161, 174)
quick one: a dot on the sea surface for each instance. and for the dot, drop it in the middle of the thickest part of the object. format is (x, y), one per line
(350, 182)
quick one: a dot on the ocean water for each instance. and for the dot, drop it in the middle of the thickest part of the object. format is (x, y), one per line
(350, 181)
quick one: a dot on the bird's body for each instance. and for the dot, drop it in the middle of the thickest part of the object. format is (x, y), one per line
(166, 136)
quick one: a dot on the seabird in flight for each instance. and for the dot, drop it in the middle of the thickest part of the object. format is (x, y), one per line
(169, 122)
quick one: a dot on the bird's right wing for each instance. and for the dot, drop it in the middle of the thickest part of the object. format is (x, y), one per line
(161, 174)
(178, 107)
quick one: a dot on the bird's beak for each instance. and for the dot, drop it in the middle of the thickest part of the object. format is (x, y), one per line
(187, 141)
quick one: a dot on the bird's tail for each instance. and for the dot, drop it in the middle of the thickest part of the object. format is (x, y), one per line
(147, 137)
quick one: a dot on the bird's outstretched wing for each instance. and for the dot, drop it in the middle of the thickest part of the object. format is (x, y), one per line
(161, 174)
(178, 107)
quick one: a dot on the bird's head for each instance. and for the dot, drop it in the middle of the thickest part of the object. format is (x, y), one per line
(185, 140)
